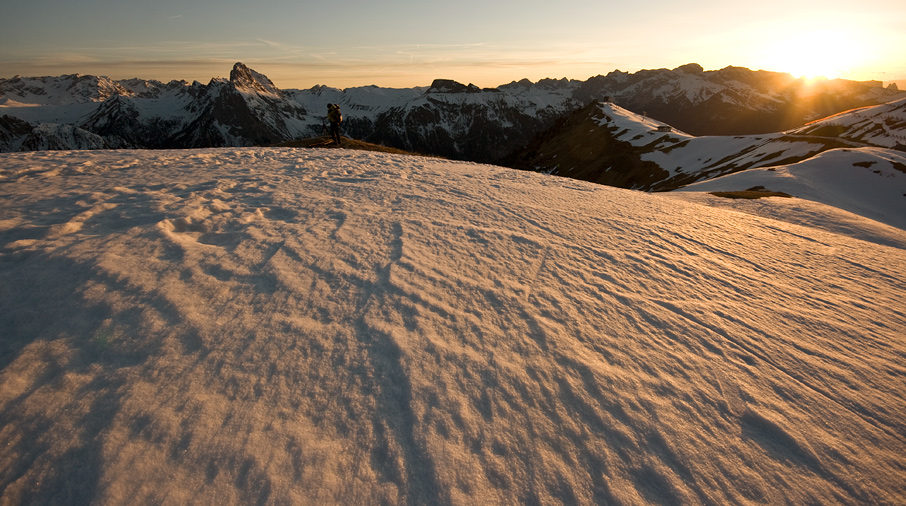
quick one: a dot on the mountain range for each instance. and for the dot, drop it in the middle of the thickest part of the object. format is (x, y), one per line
(448, 118)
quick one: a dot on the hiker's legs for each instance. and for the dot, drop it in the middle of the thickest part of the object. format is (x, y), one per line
(335, 132)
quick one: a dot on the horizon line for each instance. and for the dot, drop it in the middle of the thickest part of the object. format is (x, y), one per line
(220, 62)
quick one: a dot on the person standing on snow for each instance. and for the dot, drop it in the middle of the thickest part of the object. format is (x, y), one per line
(335, 118)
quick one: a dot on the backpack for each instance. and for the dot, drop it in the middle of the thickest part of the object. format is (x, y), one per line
(333, 113)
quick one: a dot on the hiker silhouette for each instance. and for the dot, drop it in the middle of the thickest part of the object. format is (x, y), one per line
(335, 118)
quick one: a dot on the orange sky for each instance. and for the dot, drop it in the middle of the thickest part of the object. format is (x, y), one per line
(403, 43)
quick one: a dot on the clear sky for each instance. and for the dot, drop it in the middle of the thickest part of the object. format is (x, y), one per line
(405, 43)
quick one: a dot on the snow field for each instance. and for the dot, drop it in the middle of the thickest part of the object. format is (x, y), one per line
(328, 327)
(870, 182)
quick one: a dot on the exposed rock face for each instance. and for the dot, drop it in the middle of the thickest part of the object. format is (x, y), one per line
(118, 121)
(227, 114)
(246, 79)
(450, 86)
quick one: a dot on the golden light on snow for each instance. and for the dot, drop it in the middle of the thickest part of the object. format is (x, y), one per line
(277, 325)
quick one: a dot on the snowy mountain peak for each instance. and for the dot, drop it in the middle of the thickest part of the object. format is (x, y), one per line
(690, 68)
(246, 79)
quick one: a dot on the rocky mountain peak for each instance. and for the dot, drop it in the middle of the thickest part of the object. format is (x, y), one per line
(690, 68)
(244, 78)
(451, 86)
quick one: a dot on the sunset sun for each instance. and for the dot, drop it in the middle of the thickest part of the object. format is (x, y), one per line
(812, 55)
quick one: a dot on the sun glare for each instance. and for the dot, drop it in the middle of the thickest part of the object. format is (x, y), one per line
(812, 55)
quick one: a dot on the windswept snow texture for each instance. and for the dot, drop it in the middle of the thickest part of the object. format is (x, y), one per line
(271, 326)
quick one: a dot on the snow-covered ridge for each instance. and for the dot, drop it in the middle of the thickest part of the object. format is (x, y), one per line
(632, 127)
(883, 125)
(236, 326)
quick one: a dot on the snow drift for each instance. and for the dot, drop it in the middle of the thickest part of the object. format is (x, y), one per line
(325, 327)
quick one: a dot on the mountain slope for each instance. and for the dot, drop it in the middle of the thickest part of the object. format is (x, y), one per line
(579, 147)
(607, 144)
(236, 326)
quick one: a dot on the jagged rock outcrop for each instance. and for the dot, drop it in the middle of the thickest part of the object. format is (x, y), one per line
(225, 115)
(450, 86)
(246, 79)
